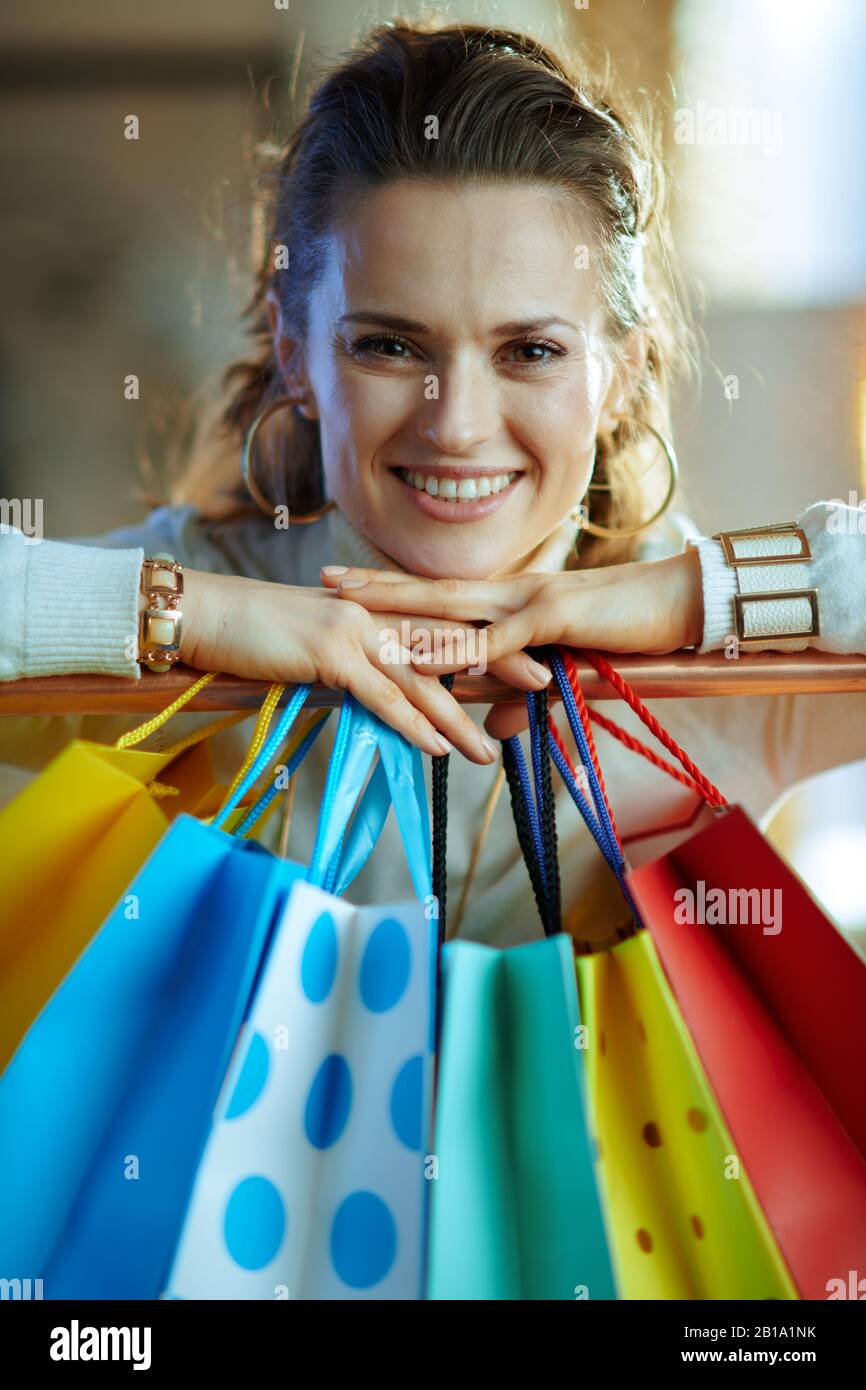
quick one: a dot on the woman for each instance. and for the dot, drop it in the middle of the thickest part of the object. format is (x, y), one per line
(465, 312)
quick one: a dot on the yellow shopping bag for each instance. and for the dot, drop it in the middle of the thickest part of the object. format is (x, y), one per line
(684, 1219)
(74, 838)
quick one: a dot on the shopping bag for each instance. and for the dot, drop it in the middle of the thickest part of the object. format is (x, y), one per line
(313, 1182)
(774, 1000)
(106, 1104)
(679, 1227)
(72, 840)
(515, 1209)
(776, 1007)
(685, 1222)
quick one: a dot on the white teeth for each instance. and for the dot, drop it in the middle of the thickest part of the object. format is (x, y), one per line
(464, 490)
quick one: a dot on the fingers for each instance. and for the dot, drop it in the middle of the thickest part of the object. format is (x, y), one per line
(505, 720)
(521, 671)
(468, 599)
(445, 713)
(378, 693)
(418, 707)
(499, 648)
(333, 575)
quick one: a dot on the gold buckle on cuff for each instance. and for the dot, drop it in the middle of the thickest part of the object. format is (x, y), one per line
(788, 528)
(740, 601)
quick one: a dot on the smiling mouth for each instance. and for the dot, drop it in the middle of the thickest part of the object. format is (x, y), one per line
(459, 490)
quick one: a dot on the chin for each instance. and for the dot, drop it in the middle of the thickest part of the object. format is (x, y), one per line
(432, 559)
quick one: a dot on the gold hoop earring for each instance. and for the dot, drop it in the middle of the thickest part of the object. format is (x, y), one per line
(252, 487)
(613, 533)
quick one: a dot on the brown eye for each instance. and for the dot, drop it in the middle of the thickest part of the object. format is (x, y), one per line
(382, 346)
(535, 352)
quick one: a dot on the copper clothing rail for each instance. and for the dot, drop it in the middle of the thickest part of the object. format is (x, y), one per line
(679, 675)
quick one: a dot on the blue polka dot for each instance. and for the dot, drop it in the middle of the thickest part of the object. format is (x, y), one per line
(385, 966)
(363, 1240)
(329, 1102)
(406, 1099)
(251, 1082)
(255, 1223)
(319, 961)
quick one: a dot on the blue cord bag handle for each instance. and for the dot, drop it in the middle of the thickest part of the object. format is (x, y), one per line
(257, 811)
(598, 824)
(266, 753)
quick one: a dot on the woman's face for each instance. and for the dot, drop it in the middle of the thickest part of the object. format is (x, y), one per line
(457, 365)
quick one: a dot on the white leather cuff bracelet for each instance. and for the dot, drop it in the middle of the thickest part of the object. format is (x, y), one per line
(775, 601)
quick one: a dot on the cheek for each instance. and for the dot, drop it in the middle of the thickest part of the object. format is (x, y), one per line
(357, 417)
(559, 423)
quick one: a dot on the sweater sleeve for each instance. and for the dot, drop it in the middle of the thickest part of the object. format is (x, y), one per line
(67, 608)
(837, 539)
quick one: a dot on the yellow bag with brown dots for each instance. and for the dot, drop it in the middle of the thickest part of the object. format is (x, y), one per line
(683, 1218)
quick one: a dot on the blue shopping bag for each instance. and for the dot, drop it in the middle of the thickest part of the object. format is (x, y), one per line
(313, 1183)
(106, 1105)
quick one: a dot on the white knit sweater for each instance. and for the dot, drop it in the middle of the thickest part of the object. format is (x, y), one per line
(56, 592)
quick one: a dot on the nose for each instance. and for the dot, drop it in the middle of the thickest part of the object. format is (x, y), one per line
(463, 413)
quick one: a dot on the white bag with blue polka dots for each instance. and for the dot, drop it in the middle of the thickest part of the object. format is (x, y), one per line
(313, 1182)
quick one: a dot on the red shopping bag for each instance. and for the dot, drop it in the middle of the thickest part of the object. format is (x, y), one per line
(775, 1000)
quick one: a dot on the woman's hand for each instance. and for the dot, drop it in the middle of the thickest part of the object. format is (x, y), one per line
(279, 632)
(646, 606)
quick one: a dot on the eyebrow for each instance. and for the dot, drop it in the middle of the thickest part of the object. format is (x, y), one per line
(403, 325)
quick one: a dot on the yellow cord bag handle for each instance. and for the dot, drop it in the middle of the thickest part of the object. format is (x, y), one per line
(134, 736)
(263, 720)
(260, 732)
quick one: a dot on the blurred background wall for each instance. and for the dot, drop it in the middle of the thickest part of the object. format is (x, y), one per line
(123, 256)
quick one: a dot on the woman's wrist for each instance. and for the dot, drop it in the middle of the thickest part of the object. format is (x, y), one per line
(692, 596)
(193, 637)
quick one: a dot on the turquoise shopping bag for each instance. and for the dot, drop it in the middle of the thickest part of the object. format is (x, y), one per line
(106, 1105)
(515, 1205)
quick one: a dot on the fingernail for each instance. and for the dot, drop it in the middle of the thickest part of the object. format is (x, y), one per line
(444, 744)
(353, 583)
(335, 569)
(540, 672)
(490, 747)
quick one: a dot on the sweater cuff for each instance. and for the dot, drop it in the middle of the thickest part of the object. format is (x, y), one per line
(719, 584)
(81, 610)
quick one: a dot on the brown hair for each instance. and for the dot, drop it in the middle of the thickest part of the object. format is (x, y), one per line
(508, 109)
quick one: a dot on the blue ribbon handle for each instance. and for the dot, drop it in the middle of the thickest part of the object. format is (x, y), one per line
(355, 747)
(404, 767)
(397, 780)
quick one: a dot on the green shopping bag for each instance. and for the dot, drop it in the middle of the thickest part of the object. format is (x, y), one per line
(515, 1209)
